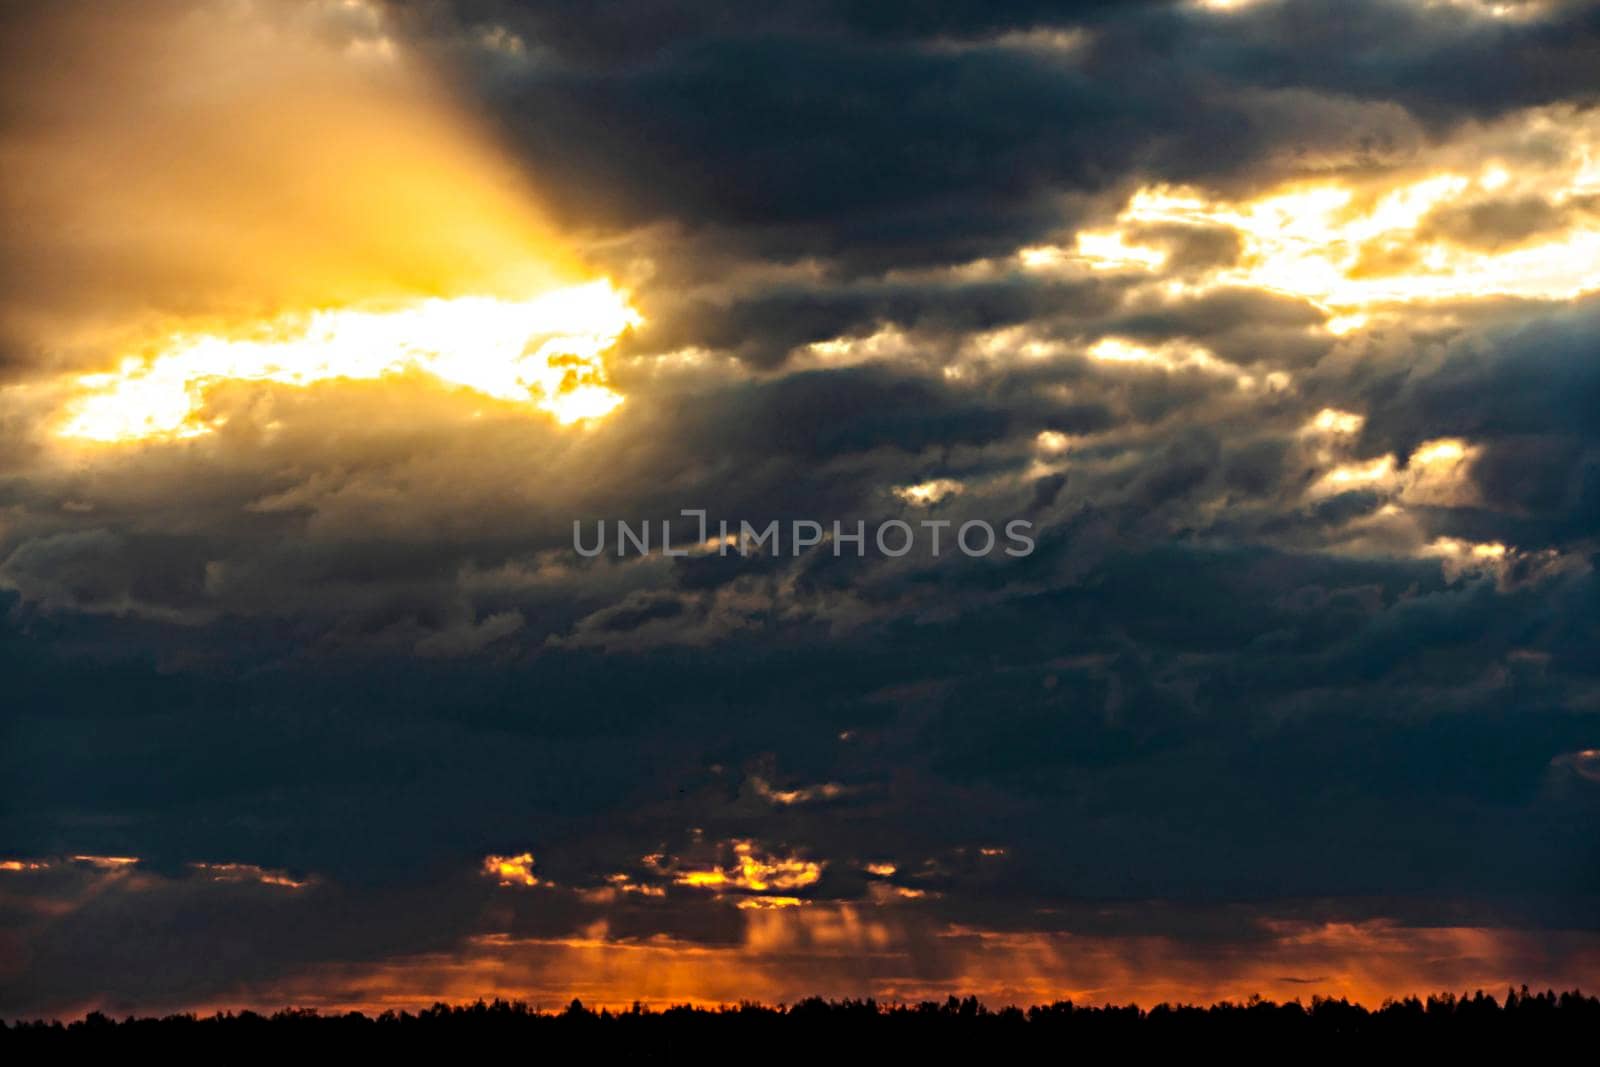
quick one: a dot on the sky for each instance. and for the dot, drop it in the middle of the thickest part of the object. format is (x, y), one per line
(324, 323)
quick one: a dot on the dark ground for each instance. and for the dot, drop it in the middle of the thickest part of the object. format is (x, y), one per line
(1521, 1024)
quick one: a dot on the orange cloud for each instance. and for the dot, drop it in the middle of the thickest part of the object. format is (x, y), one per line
(249, 872)
(511, 870)
(893, 954)
(754, 870)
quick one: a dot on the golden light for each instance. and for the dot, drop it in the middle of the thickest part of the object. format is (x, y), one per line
(1439, 473)
(1354, 247)
(703, 879)
(283, 195)
(882, 893)
(787, 953)
(248, 872)
(1171, 356)
(789, 797)
(1052, 441)
(1454, 546)
(623, 883)
(511, 870)
(927, 494)
(1352, 475)
(544, 352)
(768, 903)
(107, 863)
(1178, 356)
(1317, 242)
(1442, 450)
(756, 871)
(1459, 557)
(1334, 421)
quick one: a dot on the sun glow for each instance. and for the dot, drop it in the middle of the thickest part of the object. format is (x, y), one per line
(1318, 242)
(511, 870)
(1461, 226)
(756, 871)
(277, 195)
(544, 351)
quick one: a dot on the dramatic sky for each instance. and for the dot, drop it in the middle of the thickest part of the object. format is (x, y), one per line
(322, 321)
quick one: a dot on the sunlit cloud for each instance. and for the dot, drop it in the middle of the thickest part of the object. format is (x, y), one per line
(511, 870)
(100, 863)
(1178, 356)
(1335, 422)
(802, 795)
(888, 342)
(754, 870)
(1469, 227)
(1508, 565)
(107, 863)
(1052, 441)
(249, 872)
(927, 494)
(1437, 472)
(1496, 9)
(625, 883)
(313, 207)
(1459, 549)
(544, 352)
(767, 903)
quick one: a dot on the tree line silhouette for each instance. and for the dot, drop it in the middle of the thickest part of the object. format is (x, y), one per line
(814, 1027)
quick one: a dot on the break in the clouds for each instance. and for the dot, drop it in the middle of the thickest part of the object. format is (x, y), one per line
(322, 322)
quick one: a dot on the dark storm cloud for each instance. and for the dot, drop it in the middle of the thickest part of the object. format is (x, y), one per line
(1527, 378)
(765, 327)
(906, 162)
(934, 137)
(828, 413)
(1121, 755)
(1527, 394)
(624, 32)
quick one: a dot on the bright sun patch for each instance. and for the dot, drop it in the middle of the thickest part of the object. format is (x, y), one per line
(1315, 242)
(1488, 217)
(544, 351)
